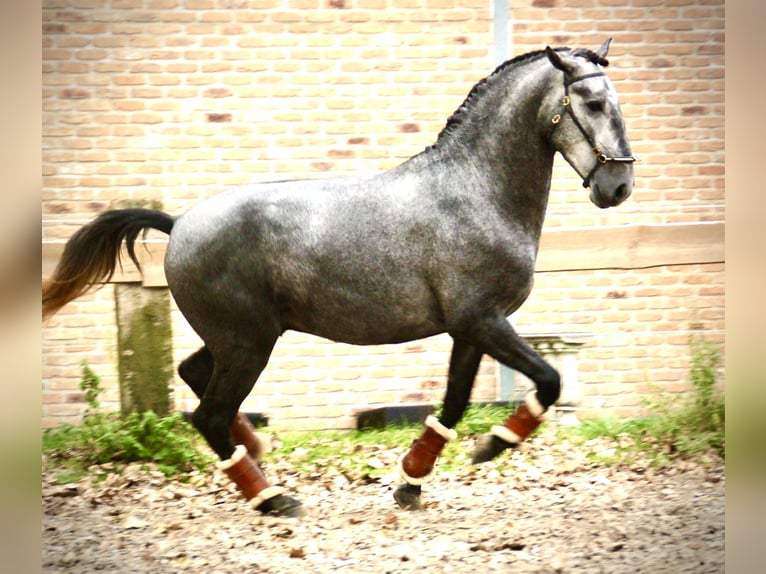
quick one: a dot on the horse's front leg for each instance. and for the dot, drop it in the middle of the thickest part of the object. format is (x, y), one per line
(416, 467)
(502, 343)
(514, 430)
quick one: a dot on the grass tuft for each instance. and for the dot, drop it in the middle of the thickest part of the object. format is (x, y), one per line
(685, 426)
(169, 442)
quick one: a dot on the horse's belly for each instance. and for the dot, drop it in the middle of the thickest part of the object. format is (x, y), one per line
(359, 335)
(364, 322)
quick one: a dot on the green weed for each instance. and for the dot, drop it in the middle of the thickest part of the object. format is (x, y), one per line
(678, 426)
(169, 441)
(479, 418)
(372, 452)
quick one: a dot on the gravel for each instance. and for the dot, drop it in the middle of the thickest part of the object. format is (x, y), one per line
(545, 508)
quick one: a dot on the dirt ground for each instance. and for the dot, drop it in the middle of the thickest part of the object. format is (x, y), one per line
(544, 509)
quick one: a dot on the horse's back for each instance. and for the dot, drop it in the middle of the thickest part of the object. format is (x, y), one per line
(336, 258)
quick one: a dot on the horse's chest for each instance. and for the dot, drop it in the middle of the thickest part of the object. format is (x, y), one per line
(497, 274)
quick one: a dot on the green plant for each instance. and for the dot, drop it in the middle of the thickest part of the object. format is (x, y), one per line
(169, 442)
(479, 418)
(682, 426)
(90, 384)
(355, 454)
(371, 453)
(709, 401)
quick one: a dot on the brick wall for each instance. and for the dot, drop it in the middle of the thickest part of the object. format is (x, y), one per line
(667, 62)
(175, 100)
(668, 65)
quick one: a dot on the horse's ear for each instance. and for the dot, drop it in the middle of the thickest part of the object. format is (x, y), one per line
(603, 50)
(557, 61)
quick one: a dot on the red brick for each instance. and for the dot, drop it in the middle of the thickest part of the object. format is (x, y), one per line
(384, 67)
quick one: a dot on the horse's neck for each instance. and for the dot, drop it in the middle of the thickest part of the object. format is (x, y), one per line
(500, 148)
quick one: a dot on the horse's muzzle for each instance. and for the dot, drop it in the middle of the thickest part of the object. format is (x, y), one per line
(606, 192)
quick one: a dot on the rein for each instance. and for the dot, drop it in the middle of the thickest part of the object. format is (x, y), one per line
(601, 157)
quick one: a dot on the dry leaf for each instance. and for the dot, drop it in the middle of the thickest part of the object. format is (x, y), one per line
(541, 513)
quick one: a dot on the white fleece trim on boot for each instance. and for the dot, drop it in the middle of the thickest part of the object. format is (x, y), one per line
(433, 423)
(265, 494)
(506, 434)
(239, 453)
(411, 479)
(535, 406)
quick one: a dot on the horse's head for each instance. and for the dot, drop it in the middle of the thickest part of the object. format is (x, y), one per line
(588, 129)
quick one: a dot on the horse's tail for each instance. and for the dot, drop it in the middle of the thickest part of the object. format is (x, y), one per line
(91, 255)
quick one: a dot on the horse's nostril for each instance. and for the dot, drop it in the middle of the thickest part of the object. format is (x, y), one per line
(621, 192)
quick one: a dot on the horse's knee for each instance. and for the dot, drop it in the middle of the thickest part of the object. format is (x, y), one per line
(548, 387)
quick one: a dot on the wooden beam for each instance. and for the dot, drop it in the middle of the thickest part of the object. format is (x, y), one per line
(152, 260)
(151, 255)
(566, 249)
(631, 246)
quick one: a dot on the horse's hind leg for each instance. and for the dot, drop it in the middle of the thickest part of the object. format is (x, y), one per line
(418, 464)
(196, 371)
(235, 370)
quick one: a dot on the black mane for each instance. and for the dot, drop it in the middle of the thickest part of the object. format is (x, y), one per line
(481, 86)
(591, 56)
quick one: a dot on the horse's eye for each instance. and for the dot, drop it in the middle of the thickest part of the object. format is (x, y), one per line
(595, 105)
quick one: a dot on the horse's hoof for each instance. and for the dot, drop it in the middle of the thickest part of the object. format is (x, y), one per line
(407, 496)
(488, 446)
(281, 505)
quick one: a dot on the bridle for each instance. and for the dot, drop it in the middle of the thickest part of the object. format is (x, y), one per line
(601, 157)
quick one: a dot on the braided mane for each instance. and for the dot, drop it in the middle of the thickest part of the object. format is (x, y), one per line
(480, 88)
(591, 56)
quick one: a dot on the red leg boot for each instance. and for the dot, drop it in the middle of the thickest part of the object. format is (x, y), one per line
(522, 423)
(514, 430)
(243, 432)
(417, 465)
(254, 486)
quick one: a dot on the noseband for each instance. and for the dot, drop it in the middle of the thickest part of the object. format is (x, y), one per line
(601, 157)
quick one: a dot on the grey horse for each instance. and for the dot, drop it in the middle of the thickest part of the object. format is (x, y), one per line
(444, 243)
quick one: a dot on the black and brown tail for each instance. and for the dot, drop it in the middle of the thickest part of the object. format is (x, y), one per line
(91, 255)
